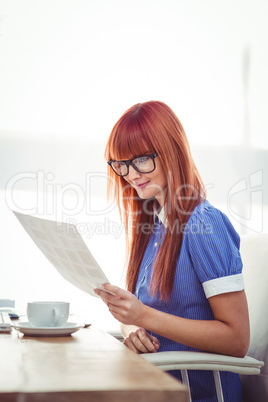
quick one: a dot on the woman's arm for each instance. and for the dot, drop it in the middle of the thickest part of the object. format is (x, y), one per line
(127, 329)
(228, 333)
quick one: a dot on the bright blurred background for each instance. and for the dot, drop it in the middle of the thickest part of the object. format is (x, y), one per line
(70, 68)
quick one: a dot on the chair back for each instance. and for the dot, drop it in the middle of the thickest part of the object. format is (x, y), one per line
(254, 251)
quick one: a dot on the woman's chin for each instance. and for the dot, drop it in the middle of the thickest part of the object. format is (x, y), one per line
(144, 194)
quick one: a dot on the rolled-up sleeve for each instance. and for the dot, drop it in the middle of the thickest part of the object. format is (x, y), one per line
(214, 251)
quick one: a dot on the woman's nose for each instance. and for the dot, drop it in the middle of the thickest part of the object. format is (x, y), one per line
(133, 174)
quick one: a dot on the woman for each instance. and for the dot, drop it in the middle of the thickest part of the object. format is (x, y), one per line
(184, 283)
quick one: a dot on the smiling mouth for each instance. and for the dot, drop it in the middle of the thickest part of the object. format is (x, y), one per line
(142, 185)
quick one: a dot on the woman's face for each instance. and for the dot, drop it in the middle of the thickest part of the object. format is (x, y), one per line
(149, 185)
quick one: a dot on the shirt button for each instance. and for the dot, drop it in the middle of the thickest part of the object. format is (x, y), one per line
(155, 244)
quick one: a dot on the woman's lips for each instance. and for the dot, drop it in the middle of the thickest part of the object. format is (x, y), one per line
(142, 185)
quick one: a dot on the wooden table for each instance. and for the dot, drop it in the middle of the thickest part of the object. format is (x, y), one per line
(90, 365)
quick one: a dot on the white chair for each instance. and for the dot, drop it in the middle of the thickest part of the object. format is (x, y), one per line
(254, 251)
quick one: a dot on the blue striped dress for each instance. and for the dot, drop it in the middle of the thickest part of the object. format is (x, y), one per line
(209, 263)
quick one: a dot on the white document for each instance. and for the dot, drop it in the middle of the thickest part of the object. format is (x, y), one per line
(63, 246)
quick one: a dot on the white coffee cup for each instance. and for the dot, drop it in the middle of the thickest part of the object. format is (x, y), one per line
(47, 313)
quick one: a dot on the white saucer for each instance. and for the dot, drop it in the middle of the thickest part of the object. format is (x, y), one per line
(67, 329)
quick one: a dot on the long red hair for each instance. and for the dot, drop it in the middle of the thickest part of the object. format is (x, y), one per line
(143, 129)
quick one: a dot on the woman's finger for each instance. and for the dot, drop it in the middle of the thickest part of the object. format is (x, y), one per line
(123, 294)
(155, 341)
(138, 344)
(108, 298)
(112, 298)
(144, 338)
(128, 343)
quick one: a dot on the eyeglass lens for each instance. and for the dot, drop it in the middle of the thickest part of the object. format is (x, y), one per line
(144, 164)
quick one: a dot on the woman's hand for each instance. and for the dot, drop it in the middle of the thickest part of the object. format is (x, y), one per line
(140, 341)
(127, 309)
(123, 305)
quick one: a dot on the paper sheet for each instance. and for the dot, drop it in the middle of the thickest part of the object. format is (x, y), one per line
(63, 246)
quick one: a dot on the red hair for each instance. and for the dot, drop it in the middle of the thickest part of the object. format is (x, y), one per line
(143, 129)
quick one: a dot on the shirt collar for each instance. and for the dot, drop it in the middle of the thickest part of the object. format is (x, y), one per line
(161, 216)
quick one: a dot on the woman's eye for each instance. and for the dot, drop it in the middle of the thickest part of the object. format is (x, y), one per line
(119, 167)
(142, 161)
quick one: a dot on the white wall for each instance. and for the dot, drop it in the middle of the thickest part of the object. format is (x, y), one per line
(69, 69)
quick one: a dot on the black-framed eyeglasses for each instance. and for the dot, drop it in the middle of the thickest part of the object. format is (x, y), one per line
(142, 164)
